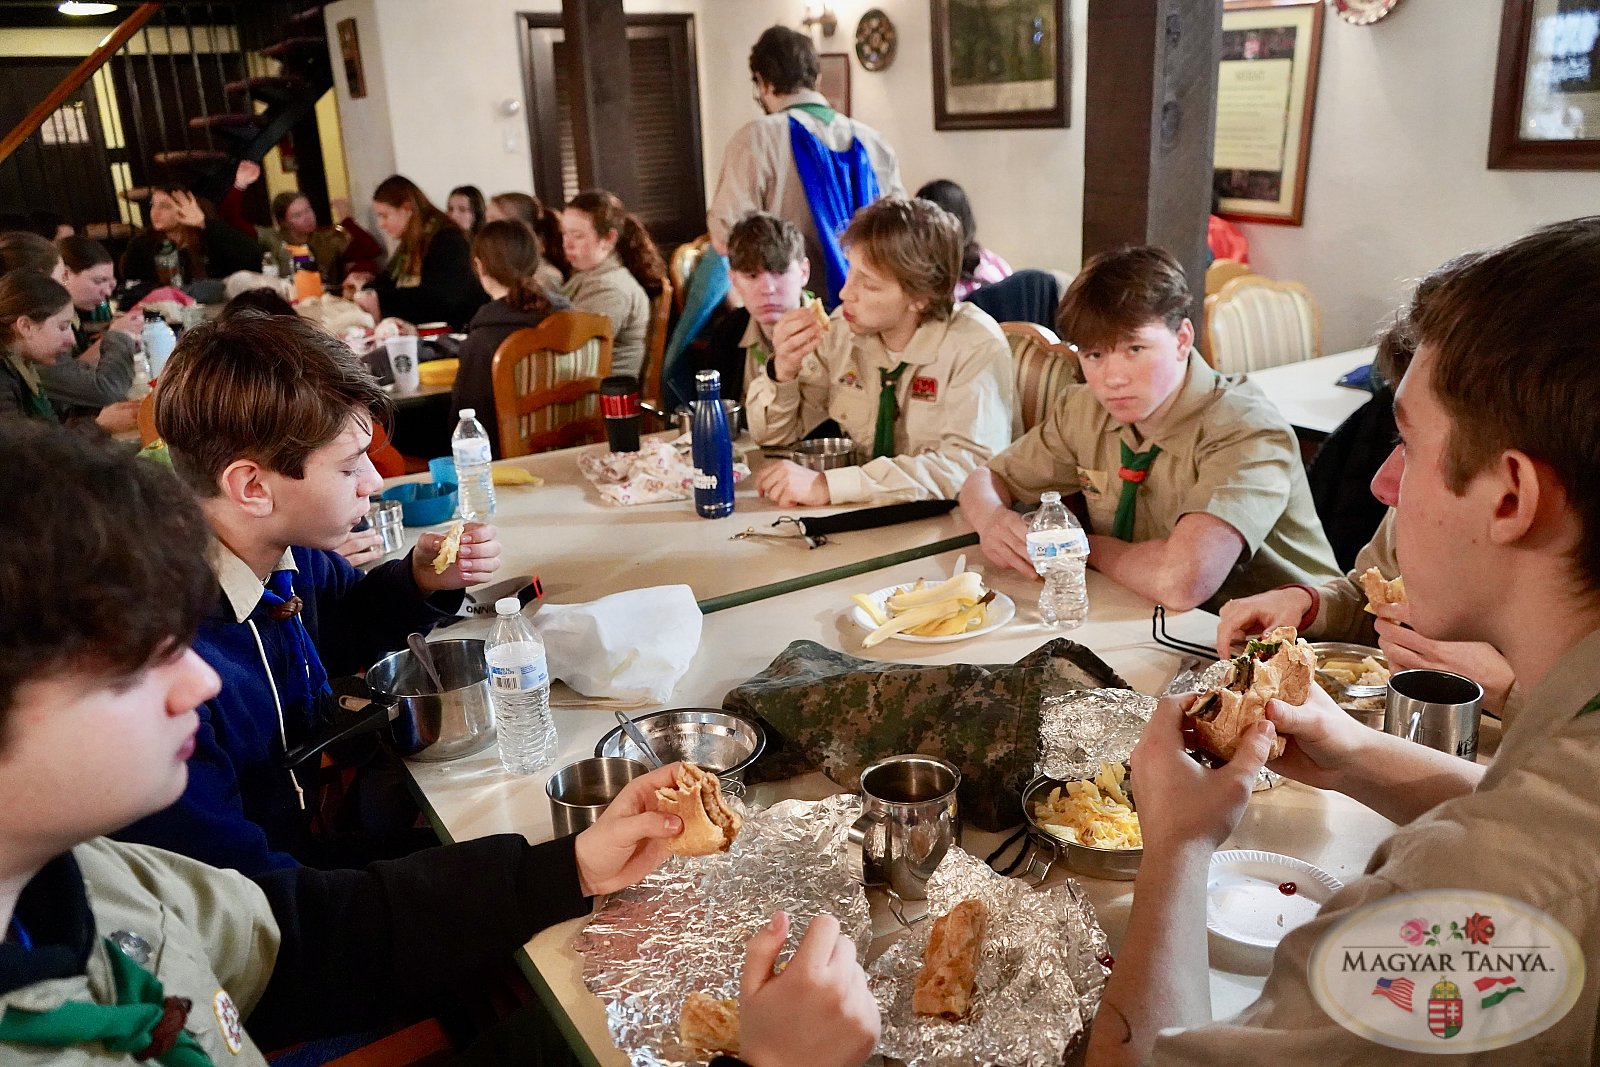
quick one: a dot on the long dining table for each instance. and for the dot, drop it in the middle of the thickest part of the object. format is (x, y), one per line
(472, 797)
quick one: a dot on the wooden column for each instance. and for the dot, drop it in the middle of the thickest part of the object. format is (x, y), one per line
(1151, 114)
(596, 33)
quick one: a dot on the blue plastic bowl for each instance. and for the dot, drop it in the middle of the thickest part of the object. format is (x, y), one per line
(442, 469)
(424, 503)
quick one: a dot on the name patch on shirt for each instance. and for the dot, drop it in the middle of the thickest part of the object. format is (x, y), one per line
(1094, 482)
(924, 388)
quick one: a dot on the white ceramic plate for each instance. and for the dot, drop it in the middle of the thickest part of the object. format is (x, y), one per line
(1001, 611)
(1245, 904)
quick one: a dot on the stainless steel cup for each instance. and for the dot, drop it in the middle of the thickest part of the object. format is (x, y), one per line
(386, 518)
(1435, 708)
(909, 821)
(580, 791)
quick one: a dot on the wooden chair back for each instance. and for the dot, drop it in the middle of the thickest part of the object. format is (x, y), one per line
(1223, 271)
(682, 264)
(547, 383)
(655, 342)
(1044, 367)
(1256, 322)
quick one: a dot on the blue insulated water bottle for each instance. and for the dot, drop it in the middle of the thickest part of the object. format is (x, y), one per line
(713, 449)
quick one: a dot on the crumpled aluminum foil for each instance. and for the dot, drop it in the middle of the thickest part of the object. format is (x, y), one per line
(684, 927)
(1039, 977)
(1081, 729)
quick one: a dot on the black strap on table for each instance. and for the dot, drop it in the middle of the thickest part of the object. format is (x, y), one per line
(872, 518)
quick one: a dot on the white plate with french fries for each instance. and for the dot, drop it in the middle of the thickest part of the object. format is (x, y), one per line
(932, 613)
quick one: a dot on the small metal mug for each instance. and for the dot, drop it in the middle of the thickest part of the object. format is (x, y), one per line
(580, 791)
(1435, 708)
(385, 518)
(909, 821)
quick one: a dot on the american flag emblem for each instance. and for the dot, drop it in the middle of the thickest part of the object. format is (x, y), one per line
(1398, 990)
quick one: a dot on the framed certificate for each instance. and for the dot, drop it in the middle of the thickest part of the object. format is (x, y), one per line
(1266, 95)
(1547, 87)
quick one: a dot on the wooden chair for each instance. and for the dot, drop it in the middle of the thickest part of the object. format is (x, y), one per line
(1256, 322)
(547, 383)
(655, 342)
(1044, 366)
(681, 265)
(1223, 271)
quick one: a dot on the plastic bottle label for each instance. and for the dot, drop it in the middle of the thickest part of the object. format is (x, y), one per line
(519, 677)
(471, 451)
(702, 480)
(1048, 544)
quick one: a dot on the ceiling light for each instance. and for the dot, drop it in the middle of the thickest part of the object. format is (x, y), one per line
(74, 7)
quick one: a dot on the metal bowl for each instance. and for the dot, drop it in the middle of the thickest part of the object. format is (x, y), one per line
(819, 453)
(1120, 864)
(1363, 702)
(683, 417)
(719, 741)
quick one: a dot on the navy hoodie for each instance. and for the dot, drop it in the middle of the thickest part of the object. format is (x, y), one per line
(240, 809)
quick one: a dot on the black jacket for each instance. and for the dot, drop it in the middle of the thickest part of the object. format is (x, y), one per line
(448, 290)
(494, 322)
(226, 250)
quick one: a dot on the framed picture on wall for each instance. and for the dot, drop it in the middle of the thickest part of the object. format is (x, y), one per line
(833, 80)
(1266, 96)
(1000, 64)
(355, 77)
(1547, 87)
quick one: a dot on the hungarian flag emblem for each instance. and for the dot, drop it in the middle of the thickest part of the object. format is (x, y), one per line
(1485, 984)
(1444, 1009)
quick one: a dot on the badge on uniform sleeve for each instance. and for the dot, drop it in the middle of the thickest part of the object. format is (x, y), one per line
(925, 388)
(1094, 482)
(228, 1025)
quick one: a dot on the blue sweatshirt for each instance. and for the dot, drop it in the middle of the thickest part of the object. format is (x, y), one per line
(240, 809)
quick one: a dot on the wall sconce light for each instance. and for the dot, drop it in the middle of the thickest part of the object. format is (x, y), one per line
(821, 14)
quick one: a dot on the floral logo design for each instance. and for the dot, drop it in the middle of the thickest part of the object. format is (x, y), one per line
(1478, 929)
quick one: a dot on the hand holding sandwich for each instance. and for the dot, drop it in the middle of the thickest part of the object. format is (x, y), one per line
(627, 841)
(1181, 802)
(794, 337)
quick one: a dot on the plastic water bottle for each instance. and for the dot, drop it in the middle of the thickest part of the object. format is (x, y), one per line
(475, 481)
(269, 265)
(169, 265)
(159, 341)
(140, 387)
(1059, 549)
(712, 446)
(519, 689)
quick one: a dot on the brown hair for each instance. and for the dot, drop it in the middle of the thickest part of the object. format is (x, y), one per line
(1117, 293)
(27, 294)
(271, 388)
(916, 241)
(426, 220)
(634, 246)
(283, 202)
(22, 250)
(81, 253)
(786, 60)
(116, 603)
(508, 252)
(762, 242)
(190, 246)
(474, 198)
(1516, 366)
(545, 222)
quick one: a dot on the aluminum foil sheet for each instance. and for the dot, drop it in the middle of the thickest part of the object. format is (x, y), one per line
(1085, 727)
(1039, 977)
(684, 927)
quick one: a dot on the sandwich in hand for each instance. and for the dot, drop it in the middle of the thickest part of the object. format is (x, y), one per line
(709, 1024)
(449, 548)
(950, 962)
(1278, 666)
(709, 824)
(818, 312)
(1381, 593)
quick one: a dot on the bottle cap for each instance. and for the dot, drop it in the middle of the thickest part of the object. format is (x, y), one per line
(711, 376)
(1052, 497)
(469, 413)
(508, 605)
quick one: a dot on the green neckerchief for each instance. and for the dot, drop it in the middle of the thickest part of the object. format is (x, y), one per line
(128, 1026)
(38, 403)
(821, 112)
(759, 349)
(888, 410)
(1135, 467)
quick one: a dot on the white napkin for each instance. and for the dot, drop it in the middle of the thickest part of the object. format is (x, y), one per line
(629, 647)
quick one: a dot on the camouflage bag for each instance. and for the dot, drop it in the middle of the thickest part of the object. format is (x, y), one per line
(827, 711)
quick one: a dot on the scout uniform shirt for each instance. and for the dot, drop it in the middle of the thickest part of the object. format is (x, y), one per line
(954, 401)
(1531, 830)
(205, 934)
(1225, 451)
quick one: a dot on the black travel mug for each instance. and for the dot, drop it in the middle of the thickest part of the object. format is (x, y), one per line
(619, 403)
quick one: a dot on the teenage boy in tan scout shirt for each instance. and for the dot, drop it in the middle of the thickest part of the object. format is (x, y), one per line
(1497, 529)
(1193, 481)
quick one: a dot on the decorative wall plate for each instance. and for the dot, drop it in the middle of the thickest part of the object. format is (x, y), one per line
(1363, 12)
(876, 40)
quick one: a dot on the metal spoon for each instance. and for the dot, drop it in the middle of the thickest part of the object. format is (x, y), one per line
(637, 736)
(419, 648)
